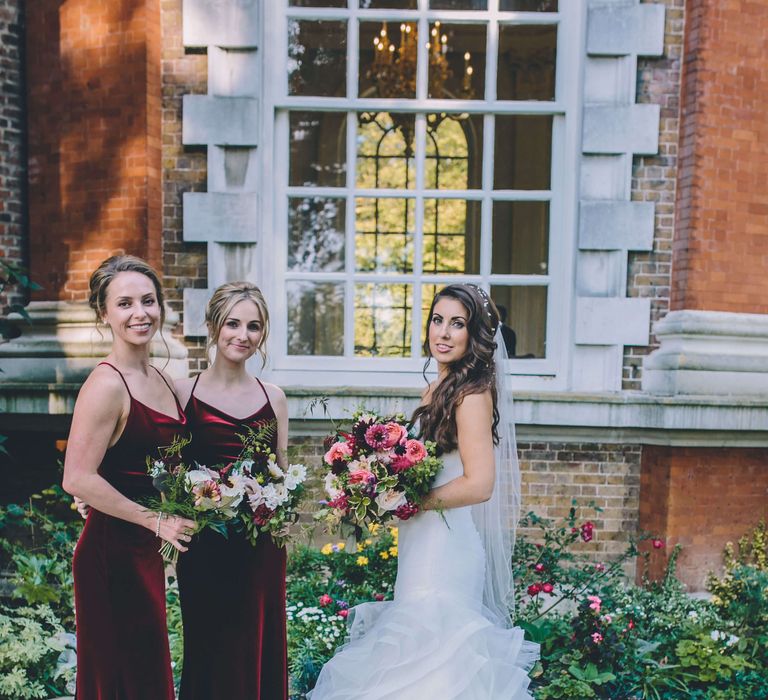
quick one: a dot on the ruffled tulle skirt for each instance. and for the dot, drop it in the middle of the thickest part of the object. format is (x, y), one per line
(434, 648)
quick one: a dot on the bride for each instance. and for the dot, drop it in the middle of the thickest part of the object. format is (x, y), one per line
(447, 633)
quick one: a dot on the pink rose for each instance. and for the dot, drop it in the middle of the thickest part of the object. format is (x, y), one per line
(534, 589)
(361, 476)
(343, 613)
(415, 451)
(594, 602)
(378, 596)
(657, 544)
(396, 434)
(338, 451)
(547, 588)
(324, 600)
(399, 463)
(538, 568)
(597, 637)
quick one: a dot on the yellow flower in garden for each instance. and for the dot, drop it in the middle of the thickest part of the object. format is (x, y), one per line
(327, 549)
(368, 541)
(340, 546)
(362, 561)
(373, 528)
(360, 547)
(384, 555)
(393, 551)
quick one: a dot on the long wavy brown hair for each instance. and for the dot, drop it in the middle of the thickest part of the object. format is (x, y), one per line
(474, 373)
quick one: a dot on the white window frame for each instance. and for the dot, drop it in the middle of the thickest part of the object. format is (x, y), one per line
(549, 373)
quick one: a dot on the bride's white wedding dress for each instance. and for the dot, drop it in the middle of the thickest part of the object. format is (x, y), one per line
(432, 642)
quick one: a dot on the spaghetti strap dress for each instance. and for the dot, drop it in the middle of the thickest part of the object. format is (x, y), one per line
(122, 636)
(232, 594)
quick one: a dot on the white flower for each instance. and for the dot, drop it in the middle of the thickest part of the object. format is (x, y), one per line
(391, 500)
(232, 495)
(158, 467)
(295, 475)
(275, 495)
(274, 470)
(246, 464)
(255, 494)
(362, 463)
(197, 476)
(331, 485)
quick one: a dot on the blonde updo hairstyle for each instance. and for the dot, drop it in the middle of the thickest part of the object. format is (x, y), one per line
(220, 306)
(104, 274)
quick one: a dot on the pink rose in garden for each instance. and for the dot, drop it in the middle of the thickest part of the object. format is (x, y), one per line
(343, 613)
(379, 596)
(600, 566)
(595, 602)
(597, 637)
(534, 589)
(547, 588)
(396, 434)
(586, 531)
(325, 599)
(657, 544)
(338, 451)
(539, 568)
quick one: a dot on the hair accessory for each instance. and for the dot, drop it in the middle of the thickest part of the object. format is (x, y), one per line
(486, 303)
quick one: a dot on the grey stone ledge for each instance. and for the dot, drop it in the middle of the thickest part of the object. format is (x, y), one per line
(217, 23)
(621, 129)
(220, 217)
(623, 29)
(616, 225)
(220, 121)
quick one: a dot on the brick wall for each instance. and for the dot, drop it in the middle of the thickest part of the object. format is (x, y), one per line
(93, 107)
(721, 241)
(654, 180)
(701, 498)
(12, 137)
(184, 168)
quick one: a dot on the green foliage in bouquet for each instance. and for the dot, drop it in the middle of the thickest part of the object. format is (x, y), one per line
(34, 654)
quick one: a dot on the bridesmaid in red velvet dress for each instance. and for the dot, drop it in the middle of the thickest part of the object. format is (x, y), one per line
(125, 411)
(233, 594)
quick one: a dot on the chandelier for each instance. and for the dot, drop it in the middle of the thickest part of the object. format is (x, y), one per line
(393, 74)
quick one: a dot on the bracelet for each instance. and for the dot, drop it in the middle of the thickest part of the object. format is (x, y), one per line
(157, 527)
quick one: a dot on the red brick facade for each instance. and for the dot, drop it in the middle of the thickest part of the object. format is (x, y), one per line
(93, 76)
(721, 216)
(12, 135)
(701, 498)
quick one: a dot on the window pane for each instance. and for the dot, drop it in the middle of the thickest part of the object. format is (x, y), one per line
(318, 142)
(527, 62)
(522, 152)
(454, 157)
(458, 4)
(384, 234)
(317, 3)
(317, 58)
(520, 238)
(315, 318)
(451, 236)
(525, 310)
(388, 59)
(457, 61)
(385, 150)
(316, 234)
(528, 5)
(383, 320)
(388, 4)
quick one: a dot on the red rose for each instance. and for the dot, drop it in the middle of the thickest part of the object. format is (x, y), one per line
(539, 567)
(547, 588)
(378, 596)
(534, 589)
(657, 544)
(343, 613)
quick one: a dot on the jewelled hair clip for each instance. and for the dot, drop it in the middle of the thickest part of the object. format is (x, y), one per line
(486, 304)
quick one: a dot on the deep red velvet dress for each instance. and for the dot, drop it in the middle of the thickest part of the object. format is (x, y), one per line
(122, 638)
(232, 594)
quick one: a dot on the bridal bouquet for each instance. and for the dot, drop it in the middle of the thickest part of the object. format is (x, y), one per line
(378, 472)
(252, 492)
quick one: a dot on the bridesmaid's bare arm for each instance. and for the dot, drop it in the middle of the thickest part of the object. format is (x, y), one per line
(99, 412)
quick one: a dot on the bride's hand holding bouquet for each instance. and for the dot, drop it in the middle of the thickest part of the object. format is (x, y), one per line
(379, 471)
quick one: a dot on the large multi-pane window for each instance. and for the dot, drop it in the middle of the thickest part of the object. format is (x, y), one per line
(417, 144)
